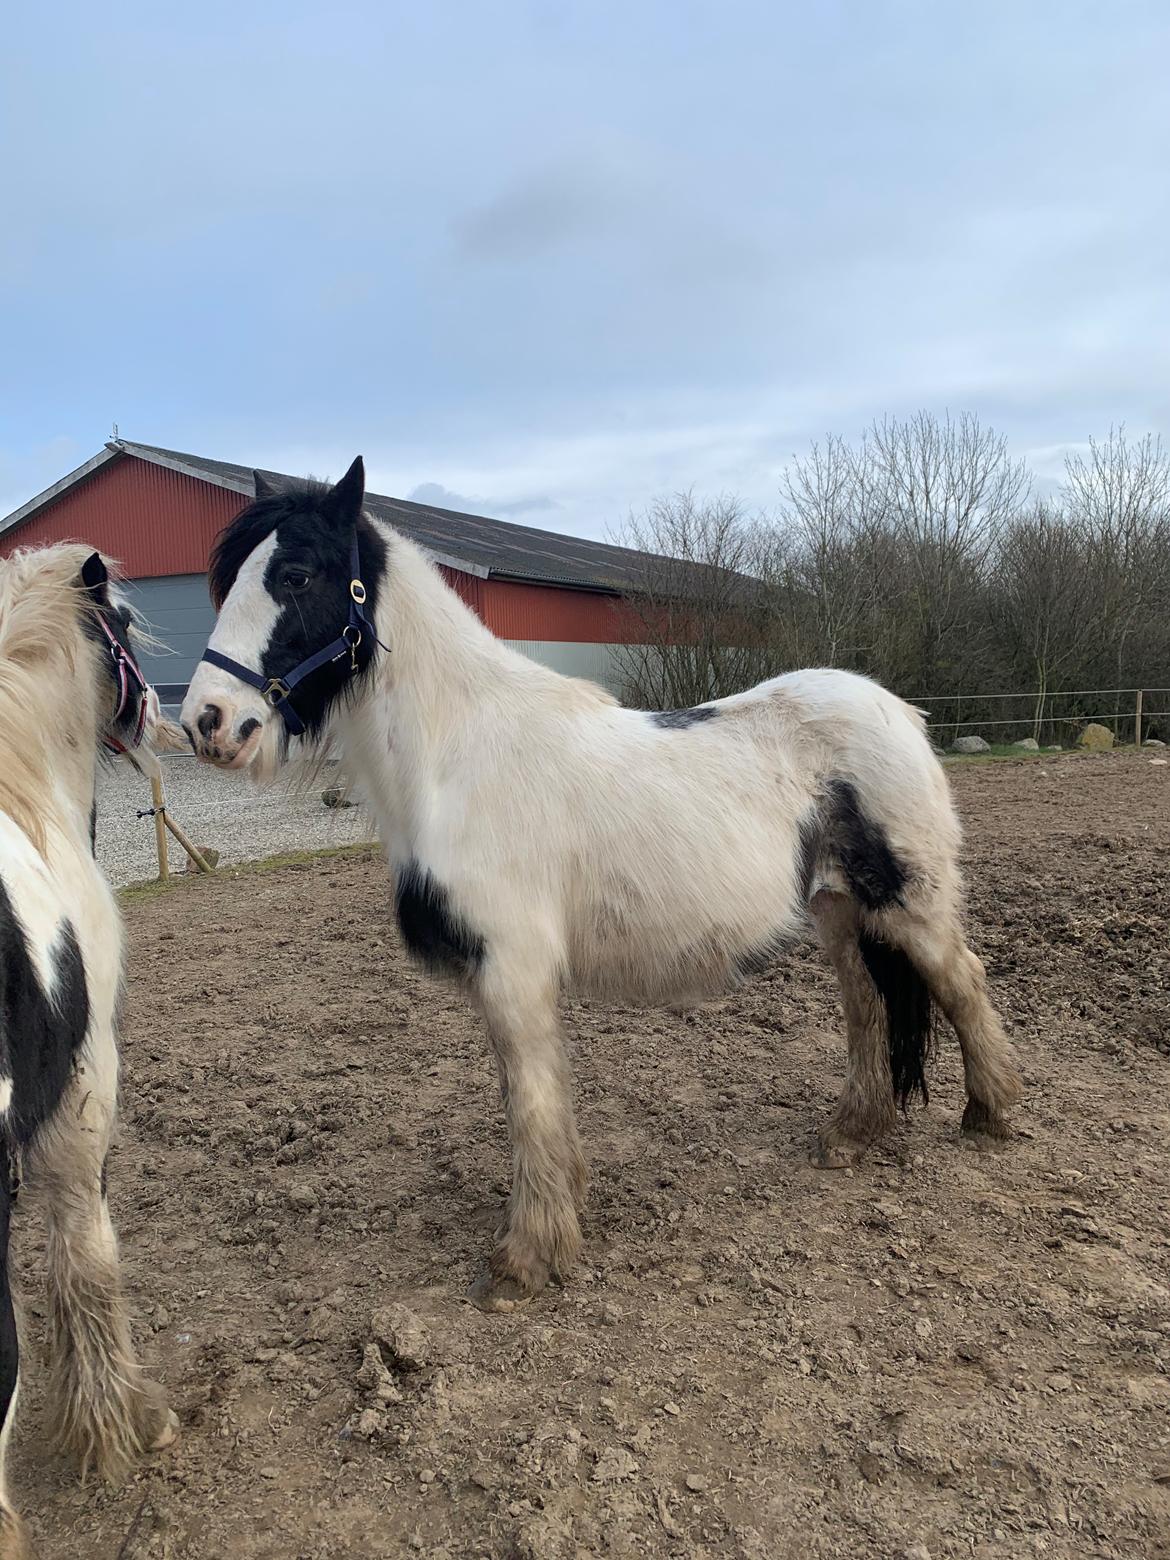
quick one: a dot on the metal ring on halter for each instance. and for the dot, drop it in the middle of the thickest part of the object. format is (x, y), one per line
(352, 628)
(275, 691)
(358, 591)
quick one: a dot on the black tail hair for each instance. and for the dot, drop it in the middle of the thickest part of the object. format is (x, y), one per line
(909, 1015)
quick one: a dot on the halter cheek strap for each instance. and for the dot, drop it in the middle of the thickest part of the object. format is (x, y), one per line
(127, 672)
(277, 691)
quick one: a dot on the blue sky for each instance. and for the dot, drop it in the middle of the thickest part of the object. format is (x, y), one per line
(549, 260)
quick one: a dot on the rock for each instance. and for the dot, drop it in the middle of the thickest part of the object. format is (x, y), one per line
(1059, 1382)
(696, 1482)
(1160, 761)
(916, 1552)
(614, 1463)
(209, 854)
(403, 1336)
(1095, 738)
(1027, 745)
(334, 796)
(1054, 747)
(970, 745)
(1153, 742)
(302, 1197)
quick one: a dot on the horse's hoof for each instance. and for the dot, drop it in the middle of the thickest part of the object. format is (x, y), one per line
(491, 1293)
(836, 1156)
(983, 1127)
(168, 1435)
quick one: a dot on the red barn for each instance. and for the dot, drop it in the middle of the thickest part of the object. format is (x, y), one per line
(557, 598)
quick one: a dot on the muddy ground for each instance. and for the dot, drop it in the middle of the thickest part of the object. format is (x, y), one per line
(941, 1353)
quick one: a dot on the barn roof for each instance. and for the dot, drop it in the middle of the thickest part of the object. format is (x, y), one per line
(474, 544)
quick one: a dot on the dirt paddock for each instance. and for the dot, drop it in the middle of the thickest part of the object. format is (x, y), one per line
(940, 1353)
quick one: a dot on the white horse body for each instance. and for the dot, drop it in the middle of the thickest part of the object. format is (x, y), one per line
(633, 861)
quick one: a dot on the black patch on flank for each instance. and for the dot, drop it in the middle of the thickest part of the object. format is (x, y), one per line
(434, 933)
(39, 1038)
(308, 576)
(679, 720)
(909, 1015)
(875, 875)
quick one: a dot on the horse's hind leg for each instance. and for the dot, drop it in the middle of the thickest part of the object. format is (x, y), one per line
(958, 983)
(541, 1235)
(102, 1406)
(865, 1111)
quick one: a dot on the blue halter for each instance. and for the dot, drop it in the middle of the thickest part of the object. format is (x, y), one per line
(278, 691)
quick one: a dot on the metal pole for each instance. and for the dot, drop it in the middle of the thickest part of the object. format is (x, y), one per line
(1137, 720)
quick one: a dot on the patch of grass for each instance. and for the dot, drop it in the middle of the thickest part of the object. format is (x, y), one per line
(1004, 750)
(137, 893)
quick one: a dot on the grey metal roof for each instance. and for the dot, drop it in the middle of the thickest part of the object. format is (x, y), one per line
(475, 543)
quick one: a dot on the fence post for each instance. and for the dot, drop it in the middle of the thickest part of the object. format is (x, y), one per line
(1137, 720)
(160, 826)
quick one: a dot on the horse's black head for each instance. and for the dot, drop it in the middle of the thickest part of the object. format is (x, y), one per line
(280, 578)
(108, 620)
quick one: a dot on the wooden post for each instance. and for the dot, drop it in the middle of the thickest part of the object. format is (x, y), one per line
(192, 850)
(1137, 720)
(160, 823)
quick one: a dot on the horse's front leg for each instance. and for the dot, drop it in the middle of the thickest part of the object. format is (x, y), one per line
(540, 1236)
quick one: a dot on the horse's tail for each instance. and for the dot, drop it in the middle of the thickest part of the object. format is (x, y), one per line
(909, 1014)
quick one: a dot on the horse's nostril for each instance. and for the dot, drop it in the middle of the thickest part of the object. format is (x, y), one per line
(209, 720)
(248, 727)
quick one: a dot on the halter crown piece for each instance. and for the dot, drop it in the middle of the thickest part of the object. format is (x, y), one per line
(278, 691)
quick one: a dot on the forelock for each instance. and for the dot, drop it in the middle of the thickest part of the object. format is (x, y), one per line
(241, 536)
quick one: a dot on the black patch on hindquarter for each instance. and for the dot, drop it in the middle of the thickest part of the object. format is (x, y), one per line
(434, 933)
(314, 526)
(39, 1038)
(875, 875)
(679, 720)
(909, 1015)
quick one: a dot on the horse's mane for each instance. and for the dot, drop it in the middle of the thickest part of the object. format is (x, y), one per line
(42, 642)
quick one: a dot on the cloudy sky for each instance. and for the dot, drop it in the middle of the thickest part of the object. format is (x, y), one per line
(549, 259)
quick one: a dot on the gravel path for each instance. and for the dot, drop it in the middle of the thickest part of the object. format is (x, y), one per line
(222, 810)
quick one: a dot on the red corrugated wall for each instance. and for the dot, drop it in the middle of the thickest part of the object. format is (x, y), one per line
(152, 520)
(155, 522)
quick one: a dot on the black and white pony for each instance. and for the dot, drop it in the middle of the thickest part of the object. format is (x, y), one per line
(544, 839)
(69, 686)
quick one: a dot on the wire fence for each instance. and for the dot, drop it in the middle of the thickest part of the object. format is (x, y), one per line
(1051, 718)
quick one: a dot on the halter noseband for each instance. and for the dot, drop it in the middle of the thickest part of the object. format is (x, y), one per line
(278, 691)
(127, 672)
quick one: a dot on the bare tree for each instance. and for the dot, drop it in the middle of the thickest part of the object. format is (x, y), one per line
(1120, 494)
(705, 606)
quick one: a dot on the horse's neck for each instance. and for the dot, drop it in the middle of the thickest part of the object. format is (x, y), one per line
(73, 771)
(442, 672)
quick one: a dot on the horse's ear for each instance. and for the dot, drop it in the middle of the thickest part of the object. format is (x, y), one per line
(264, 488)
(95, 577)
(344, 501)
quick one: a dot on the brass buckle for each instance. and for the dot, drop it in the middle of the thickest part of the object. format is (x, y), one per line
(275, 691)
(358, 591)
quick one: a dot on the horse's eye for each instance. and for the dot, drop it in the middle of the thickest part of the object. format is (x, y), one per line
(296, 579)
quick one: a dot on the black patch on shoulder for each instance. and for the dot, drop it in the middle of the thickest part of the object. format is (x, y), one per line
(39, 1038)
(875, 875)
(679, 720)
(433, 933)
(909, 1015)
